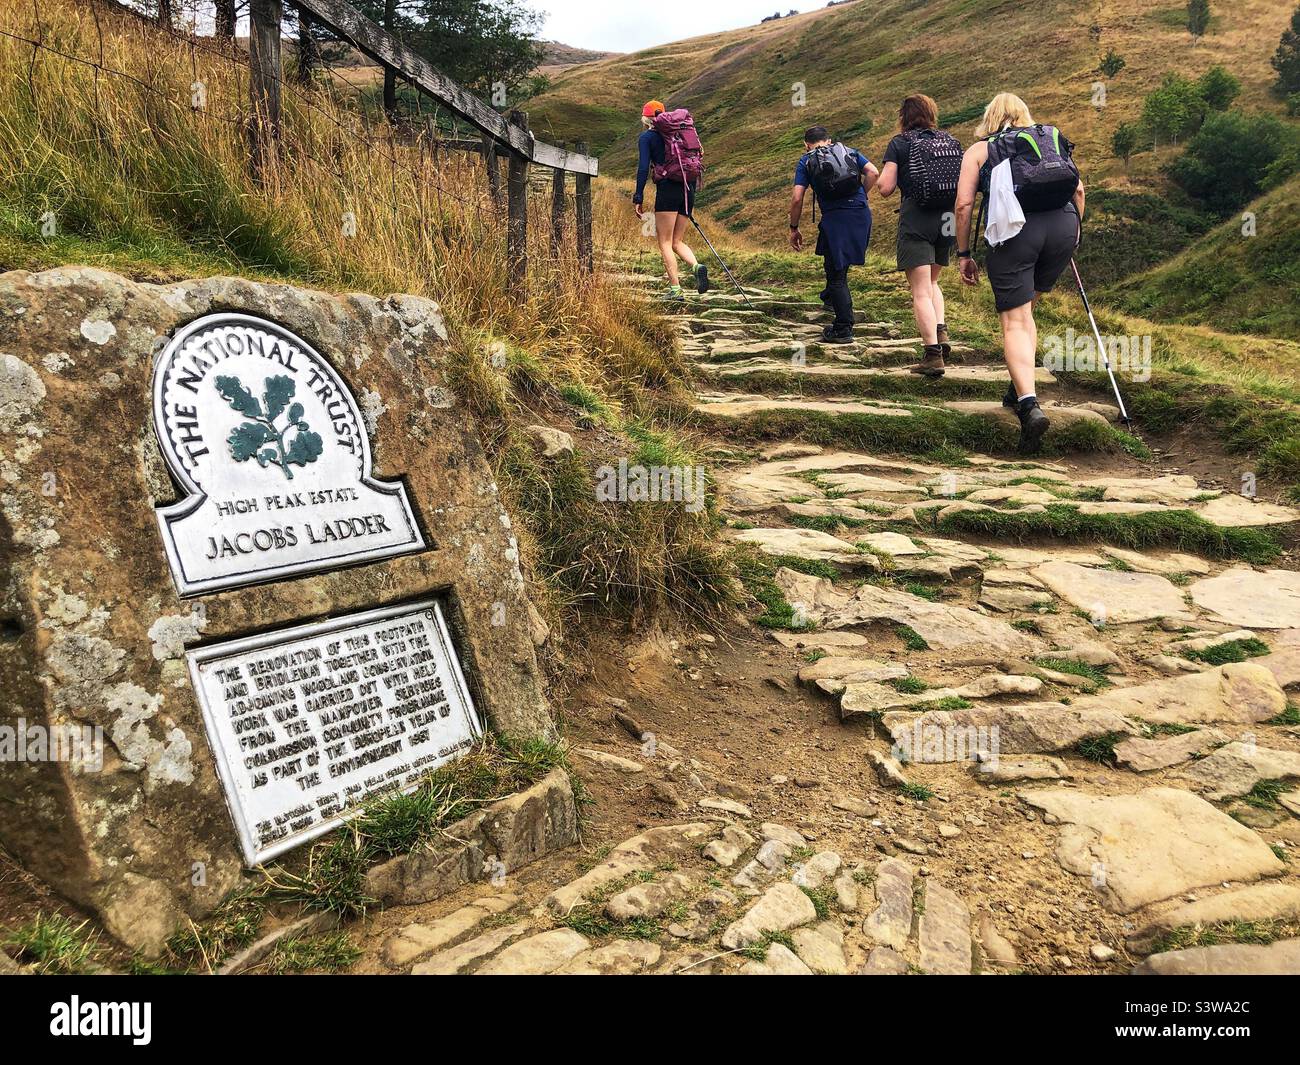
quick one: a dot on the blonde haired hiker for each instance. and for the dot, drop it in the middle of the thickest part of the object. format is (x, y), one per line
(671, 154)
(1031, 167)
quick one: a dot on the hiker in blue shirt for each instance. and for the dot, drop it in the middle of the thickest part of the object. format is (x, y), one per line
(840, 178)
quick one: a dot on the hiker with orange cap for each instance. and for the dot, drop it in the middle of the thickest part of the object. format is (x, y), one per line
(671, 154)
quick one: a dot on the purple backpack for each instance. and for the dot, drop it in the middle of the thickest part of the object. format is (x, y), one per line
(684, 154)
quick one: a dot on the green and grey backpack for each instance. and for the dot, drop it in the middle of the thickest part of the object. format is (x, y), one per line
(1043, 171)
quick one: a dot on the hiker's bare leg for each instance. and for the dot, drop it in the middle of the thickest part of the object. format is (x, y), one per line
(665, 233)
(936, 294)
(1020, 344)
(679, 245)
(918, 280)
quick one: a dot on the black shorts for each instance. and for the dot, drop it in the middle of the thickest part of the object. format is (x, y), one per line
(671, 196)
(1034, 258)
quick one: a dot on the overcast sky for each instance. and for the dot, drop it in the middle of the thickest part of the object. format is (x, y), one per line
(630, 25)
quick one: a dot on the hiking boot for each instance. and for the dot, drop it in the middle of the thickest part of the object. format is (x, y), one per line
(941, 338)
(673, 295)
(931, 364)
(1011, 399)
(1033, 424)
(702, 279)
(831, 335)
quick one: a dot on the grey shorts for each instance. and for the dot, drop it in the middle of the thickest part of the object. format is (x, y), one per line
(1034, 258)
(922, 241)
(921, 237)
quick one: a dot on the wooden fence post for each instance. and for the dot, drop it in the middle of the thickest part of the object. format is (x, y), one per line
(517, 223)
(265, 17)
(582, 190)
(493, 170)
(557, 210)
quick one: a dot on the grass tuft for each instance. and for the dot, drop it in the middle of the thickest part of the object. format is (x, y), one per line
(912, 639)
(1178, 529)
(1259, 933)
(55, 945)
(333, 875)
(1232, 651)
(1265, 793)
(1289, 716)
(947, 704)
(821, 898)
(1096, 677)
(232, 926)
(330, 953)
(757, 951)
(1099, 749)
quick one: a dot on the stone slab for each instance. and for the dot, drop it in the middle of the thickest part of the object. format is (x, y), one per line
(1254, 600)
(1146, 847)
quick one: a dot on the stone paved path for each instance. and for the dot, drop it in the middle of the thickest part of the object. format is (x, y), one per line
(1073, 678)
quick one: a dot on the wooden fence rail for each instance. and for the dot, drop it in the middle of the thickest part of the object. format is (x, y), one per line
(499, 135)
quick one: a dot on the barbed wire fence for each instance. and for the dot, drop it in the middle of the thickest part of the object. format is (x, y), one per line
(437, 163)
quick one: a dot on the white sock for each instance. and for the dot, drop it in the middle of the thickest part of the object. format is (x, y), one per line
(1030, 396)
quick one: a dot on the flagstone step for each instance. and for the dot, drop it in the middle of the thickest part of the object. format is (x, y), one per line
(978, 375)
(1074, 427)
(733, 405)
(882, 489)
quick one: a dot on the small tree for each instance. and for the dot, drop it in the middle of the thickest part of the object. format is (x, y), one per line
(1174, 110)
(1112, 64)
(1218, 88)
(1286, 61)
(1125, 141)
(1198, 17)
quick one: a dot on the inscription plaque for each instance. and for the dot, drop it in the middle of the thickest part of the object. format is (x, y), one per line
(268, 443)
(307, 723)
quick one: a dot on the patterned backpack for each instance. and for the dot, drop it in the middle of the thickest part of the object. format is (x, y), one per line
(933, 167)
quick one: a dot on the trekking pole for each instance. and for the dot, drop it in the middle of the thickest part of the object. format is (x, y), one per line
(725, 268)
(1123, 412)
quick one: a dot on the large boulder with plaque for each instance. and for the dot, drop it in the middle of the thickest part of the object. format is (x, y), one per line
(256, 572)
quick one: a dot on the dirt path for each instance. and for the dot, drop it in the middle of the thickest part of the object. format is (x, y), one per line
(985, 713)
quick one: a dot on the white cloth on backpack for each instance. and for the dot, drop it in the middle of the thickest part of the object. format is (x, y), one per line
(1006, 217)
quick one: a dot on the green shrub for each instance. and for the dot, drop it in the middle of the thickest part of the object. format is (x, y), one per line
(1235, 157)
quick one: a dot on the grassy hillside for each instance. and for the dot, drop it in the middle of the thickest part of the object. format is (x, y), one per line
(856, 62)
(1229, 280)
